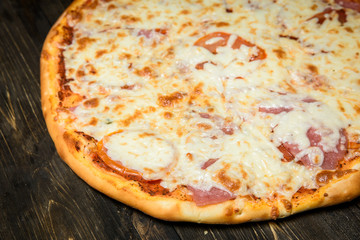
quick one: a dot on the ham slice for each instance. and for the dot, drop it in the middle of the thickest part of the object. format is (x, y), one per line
(275, 110)
(331, 158)
(214, 40)
(209, 162)
(355, 5)
(213, 196)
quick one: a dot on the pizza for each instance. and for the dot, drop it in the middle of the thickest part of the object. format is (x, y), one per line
(208, 111)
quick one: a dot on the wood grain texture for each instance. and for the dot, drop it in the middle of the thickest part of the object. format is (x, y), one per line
(41, 198)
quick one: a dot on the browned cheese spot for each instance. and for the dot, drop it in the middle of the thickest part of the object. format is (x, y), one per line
(313, 68)
(130, 19)
(146, 71)
(274, 212)
(83, 42)
(111, 6)
(91, 4)
(91, 103)
(221, 24)
(185, 11)
(204, 126)
(145, 134)
(168, 115)
(99, 53)
(91, 69)
(314, 7)
(190, 156)
(341, 107)
(80, 73)
(128, 87)
(75, 16)
(170, 100)
(170, 52)
(349, 29)
(287, 205)
(93, 121)
(357, 108)
(137, 114)
(280, 53)
(196, 92)
(228, 182)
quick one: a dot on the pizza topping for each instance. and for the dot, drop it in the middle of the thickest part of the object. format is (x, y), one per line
(209, 162)
(141, 151)
(212, 196)
(200, 66)
(213, 41)
(355, 5)
(317, 154)
(323, 15)
(275, 110)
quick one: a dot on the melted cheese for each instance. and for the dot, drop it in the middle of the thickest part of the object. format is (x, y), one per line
(141, 151)
(139, 60)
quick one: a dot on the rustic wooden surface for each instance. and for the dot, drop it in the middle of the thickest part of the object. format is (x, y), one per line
(41, 198)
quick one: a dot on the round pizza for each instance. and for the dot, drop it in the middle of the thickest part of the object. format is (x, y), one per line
(213, 111)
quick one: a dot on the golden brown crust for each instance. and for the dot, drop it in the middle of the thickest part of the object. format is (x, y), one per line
(76, 151)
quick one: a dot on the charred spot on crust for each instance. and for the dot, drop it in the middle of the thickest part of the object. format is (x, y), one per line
(87, 137)
(287, 205)
(91, 4)
(75, 15)
(303, 193)
(274, 212)
(68, 35)
(327, 176)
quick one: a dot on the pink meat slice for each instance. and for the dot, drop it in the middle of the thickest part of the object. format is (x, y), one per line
(213, 196)
(355, 5)
(275, 110)
(209, 162)
(331, 158)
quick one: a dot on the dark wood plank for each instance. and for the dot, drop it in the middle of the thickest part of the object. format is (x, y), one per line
(41, 198)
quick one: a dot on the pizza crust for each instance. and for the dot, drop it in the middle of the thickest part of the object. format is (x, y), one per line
(239, 210)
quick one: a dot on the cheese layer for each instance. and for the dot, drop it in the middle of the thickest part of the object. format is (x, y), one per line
(225, 82)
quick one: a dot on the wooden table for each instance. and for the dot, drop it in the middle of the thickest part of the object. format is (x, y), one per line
(41, 198)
